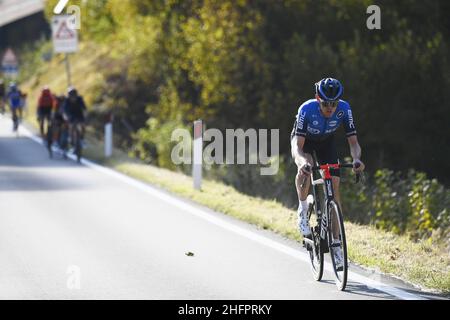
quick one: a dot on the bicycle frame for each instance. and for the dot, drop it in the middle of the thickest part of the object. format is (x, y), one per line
(329, 193)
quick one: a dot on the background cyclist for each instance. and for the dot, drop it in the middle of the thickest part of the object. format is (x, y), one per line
(46, 103)
(316, 122)
(74, 110)
(14, 98)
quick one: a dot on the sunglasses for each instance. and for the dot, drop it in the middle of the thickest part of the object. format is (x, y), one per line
(329, 104)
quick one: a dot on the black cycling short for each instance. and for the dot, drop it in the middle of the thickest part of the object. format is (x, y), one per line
(75, 118)
(325, 151)
(44, 112)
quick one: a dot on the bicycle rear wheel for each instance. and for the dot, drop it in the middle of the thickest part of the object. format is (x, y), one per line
(50, 139)
(78, 143)
(64, 140)
(314, 247)
(335, 219)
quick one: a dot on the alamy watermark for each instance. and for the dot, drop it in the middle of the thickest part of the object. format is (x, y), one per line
(74, 11)
(241, 147)
(74, 279)
(374, 20)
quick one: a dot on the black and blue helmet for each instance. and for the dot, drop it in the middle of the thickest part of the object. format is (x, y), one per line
(329, 89)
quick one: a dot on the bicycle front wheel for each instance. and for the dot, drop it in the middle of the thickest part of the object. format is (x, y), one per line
(337, 244)
(314, 247)
(50, 139)
(78, 146)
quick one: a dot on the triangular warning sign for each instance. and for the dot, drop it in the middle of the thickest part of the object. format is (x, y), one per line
(9, 58)
(64, 32)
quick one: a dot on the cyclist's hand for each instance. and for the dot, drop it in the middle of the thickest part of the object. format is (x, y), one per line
(358, 166)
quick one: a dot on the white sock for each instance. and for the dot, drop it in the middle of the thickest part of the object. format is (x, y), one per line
(303, 205)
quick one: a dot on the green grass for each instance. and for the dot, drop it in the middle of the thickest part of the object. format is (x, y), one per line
(423, 264)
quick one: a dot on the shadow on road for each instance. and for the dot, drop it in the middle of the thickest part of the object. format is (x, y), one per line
(356, 288)
(23, 152)
(13, 180)
(26, 166)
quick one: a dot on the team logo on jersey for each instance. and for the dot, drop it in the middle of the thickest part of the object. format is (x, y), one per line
(350, 120)
(340, 114)
(332, 123)
(301, 119)
(313, 131)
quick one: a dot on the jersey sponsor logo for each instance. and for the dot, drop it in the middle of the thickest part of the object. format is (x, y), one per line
(350, 119)
(332, 123)
(340, 114)
(315, 122)
(330, 130)
(313, 130)
(301, 120)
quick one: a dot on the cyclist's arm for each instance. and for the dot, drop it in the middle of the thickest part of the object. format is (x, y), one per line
(355, 151)
(355, 148)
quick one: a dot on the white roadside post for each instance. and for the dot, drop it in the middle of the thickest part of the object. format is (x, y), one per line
(198, 152)
(109, 136)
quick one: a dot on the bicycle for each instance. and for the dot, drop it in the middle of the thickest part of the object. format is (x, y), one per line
(76, 141)
(49, 136)
(2, 105)
(321, 238)
(16, 121)
(63, 137)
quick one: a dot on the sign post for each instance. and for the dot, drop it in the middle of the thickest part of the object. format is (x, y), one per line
(198, 153)
(66, 60)
(65, 39)
(10, 65)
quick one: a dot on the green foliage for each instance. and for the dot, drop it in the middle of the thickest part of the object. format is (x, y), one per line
(409, 204)
(389, 202)
(152, 142)
(429, 204)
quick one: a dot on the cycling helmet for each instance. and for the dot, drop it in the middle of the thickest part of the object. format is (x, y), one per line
(12, 86)
(72, 92)
(45, 90)
(329, 89)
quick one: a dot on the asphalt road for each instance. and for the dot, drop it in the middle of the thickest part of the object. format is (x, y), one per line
(72, 231)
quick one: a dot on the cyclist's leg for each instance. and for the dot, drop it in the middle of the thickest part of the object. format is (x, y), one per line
(41, 121)
(302, 192)
(302, 184)
(47, 117)
(14, 118)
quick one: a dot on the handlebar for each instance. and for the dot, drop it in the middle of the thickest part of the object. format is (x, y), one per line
(327, 167)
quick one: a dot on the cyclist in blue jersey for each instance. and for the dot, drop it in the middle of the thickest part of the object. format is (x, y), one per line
(14, 98)
(316, 122)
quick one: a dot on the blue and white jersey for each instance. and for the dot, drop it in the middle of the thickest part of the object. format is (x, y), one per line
(14, 98)
(311, 124)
